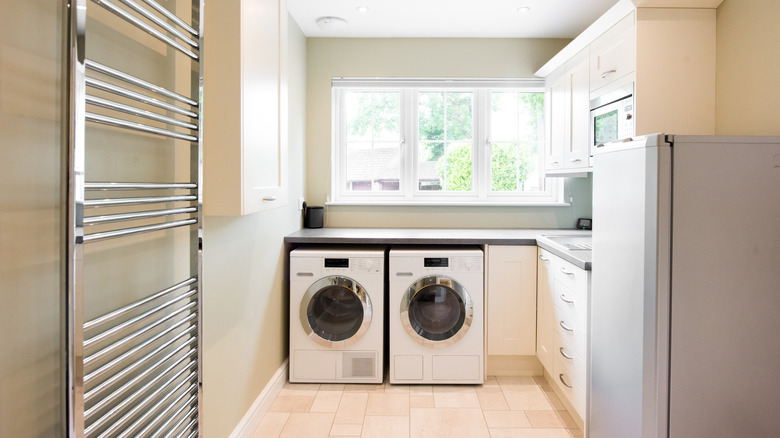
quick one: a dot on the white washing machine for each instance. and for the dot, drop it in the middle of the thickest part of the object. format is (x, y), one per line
(337, 315)
(436, 316)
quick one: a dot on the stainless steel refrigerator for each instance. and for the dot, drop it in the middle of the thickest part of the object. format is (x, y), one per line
(685, 305)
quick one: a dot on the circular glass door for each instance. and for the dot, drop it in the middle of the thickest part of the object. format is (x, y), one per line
(436, 311)
(335, 312)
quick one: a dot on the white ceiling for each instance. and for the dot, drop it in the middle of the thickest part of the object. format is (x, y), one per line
(450, 18)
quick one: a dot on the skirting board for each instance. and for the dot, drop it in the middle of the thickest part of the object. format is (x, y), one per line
(246, 427)
(513, 366)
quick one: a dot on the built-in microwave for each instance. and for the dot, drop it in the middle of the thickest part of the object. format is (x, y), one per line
(612, 116)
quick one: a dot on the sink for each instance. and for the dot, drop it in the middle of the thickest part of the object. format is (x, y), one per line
(573, 243)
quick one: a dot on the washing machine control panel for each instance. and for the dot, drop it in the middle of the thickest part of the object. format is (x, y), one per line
(452, 264)
(354, 264)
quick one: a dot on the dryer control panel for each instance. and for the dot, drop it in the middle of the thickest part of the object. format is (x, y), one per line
(452, 264)
(353, 264)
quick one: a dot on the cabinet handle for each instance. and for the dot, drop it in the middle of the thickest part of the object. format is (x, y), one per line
(269, 198)
(563, 326)
(600, 145)
(571, 274)
(563, 353)
(404, 274)
(563, 298)
(560, 377)
(554, 162)
(576, 160)
(544, 259)
(607, 73)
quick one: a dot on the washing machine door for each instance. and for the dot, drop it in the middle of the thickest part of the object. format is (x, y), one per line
(436, 311)
(335, 311)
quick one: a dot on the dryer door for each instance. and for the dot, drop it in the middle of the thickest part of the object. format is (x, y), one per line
(436, 311)
(335, 311)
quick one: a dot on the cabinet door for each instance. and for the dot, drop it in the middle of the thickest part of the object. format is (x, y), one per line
(245, 95)
(544, 309)
(613, 54)
(555, 91)
(511, 299)
(578, 150)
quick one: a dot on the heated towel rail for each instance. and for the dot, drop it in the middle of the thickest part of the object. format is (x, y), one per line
(133, 92)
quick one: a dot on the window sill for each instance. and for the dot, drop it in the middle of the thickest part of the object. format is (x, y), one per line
(445, 203)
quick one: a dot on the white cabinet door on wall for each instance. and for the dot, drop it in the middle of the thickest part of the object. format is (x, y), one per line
(511, 300)
(245, 96)
(556, 119)
(613, 54)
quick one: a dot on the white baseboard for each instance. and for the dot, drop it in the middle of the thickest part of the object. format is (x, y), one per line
(256, 412)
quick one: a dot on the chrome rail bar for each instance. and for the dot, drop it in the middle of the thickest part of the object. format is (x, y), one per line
(99, 389)
(112, 202)
(127, 109)
(167, 425)
(95, 220)
(124, 92)
(166, 414)
(171, 16)
(132, 398)
(178, 431)
(138, 186)
(130, 415)
(120, 327)
(194, 432)
(108, 71)
(145, 27)
(121, 311)
(124, 388)
(160, 22)
(88, 359)
(131, 430)
(114, 363)
(119, 123)
(138, 230)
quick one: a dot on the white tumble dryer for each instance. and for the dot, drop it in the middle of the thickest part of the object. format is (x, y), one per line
(436, 316)
(337, 315)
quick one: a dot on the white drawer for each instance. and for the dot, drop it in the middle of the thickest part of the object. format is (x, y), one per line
(571, 332)
(573, 305)
(574, 391)
(572, 361)
(572, 277)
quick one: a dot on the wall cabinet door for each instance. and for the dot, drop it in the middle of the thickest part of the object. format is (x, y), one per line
(544, 309)
(555, 92)
(511, 300)
(245, 96)
(613, 54)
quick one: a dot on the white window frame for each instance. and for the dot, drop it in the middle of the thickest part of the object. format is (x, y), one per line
(409, 193)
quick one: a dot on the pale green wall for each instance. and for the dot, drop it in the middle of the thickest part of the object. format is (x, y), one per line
(245, 296)
(748, 68)
(30, 218)
(415, 57)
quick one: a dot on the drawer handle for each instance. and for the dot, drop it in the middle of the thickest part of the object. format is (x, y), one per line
(571, 274)
(563, 353)
(560, 377)
(576, 160)
(565, 300)
(607, 73)
(304, 274)
(563, 326)
(269, 198)
(404, 274)
(544, 259)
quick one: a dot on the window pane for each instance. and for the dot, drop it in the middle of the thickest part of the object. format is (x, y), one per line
(445, 165)
(516, 133)
(373, 146)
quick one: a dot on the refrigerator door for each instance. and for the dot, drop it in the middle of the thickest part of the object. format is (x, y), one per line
(623, 373)
(725, 352)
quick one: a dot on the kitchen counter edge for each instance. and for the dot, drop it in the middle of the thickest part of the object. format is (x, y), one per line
(425, 236)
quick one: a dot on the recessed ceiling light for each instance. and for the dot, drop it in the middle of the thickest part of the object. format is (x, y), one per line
(523, 9)
(331, 23)
(362, 9)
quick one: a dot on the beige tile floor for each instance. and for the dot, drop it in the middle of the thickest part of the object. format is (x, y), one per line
(503, 407)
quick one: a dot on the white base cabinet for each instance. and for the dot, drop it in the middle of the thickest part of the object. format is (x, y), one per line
(562, 325)
(511, 300)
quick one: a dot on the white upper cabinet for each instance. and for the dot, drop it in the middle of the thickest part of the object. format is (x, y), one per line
(568, 100)
(613, 54)
(245, 99)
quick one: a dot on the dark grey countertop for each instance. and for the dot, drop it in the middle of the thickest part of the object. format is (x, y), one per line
(437, 236)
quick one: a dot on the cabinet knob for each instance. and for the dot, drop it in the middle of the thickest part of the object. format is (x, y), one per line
(607, 73)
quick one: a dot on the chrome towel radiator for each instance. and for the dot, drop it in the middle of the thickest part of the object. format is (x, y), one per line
(133, 164)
